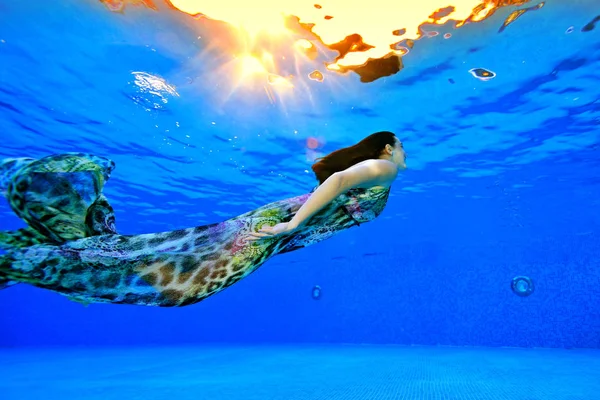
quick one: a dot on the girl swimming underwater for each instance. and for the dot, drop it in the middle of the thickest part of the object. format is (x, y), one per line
(183, 267)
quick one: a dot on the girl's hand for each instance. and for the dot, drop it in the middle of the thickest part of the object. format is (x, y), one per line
(285, 228)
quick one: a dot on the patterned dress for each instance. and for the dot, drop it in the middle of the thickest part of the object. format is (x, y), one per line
(180, 267)
(60, 198)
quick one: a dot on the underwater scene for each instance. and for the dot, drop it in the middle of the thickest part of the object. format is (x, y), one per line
(300, 200)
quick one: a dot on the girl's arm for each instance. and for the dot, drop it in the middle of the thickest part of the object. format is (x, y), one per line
(368, 174)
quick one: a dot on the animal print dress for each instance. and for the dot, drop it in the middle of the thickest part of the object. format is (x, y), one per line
(185, 266)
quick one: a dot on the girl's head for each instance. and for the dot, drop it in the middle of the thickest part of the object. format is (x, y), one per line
(384, 145)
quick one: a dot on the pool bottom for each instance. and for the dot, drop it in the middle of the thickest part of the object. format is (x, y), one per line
(299, 372)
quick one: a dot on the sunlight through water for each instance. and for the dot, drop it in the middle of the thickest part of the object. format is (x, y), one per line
(370, 39)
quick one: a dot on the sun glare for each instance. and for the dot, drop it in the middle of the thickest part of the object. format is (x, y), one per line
(369, 38)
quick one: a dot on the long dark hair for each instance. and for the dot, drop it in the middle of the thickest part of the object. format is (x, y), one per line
(368, 148)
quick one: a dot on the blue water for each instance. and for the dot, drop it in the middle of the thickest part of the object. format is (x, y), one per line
(503, 181)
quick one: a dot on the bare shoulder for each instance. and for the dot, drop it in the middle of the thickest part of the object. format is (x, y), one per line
(378, 163)
(370, 173)
(377, 167)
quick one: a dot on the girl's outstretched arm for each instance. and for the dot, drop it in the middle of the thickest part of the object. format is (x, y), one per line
(368, 174)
